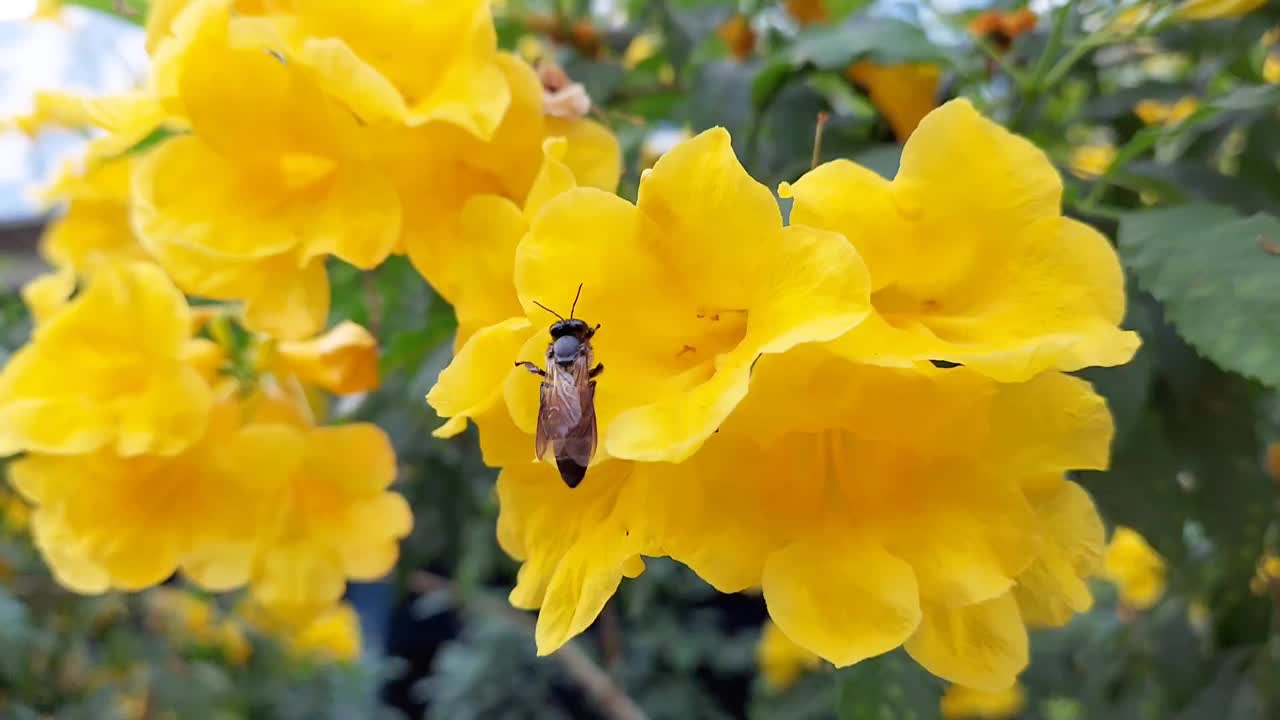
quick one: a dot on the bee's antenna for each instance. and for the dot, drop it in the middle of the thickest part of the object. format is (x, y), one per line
(544, 307)
(575, 301)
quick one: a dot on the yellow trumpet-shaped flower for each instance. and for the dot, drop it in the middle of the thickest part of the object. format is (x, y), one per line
(1271, 68)
(720, 281)
(781, 661)
(866, 527)
(1091, 161)
(962, 703)
(1136, 569)
(1212, 9)
(439, 169)
(95, 226)
(331, 517)
(401, 62)
(104, 521)
(903, 93)
(271, 179)
(1155, 112)
(971, 259)
(344, 360)
(106, 371)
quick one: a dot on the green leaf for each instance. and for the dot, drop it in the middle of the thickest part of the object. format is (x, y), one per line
(882, 40)
(134, 11)
(889, 687)
(1218, 276)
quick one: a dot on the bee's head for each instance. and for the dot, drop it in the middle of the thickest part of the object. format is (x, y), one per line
(571, 327)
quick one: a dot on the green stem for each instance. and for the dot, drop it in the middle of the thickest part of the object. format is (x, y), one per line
(1034, 85)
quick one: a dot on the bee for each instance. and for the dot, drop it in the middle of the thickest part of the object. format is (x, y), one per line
(566, 409)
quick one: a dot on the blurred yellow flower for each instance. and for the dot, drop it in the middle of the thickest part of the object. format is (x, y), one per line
(1272, 461)
(781, 661)
(641, 48)
(903, 93)
(1135, 568)
(103, 521)
(1271, 68)
(1211, 9)
(270, 181)
(106, 371)
(807, 12)
(1011, 287)
(331, 515)
(962, 703)
(404, 62)
(329, 633)
(1266, 575)
(95, 226)
(197, 620)
(1155, 112)
(344, 360)
(1091, 161)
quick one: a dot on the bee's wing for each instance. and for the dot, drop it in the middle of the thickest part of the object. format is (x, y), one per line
(559, 411)
(580, 443)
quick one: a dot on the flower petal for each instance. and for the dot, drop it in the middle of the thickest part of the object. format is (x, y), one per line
(842, 597)
(474, 381)
(342, 361)
(1053, 588)
(982, 646)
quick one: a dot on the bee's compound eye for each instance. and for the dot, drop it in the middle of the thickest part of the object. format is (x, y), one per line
(565, 348)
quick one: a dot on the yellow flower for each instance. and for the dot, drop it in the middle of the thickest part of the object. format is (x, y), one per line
(438, 171)
(103, 521)
(1155, 112)
(903, 93)
(196, 619)
(334, 634)
(720, 281)
(402, 62)
(1266, 574)
(866, 527)
(1091, 161)
(344, 360)
(781, 661)
(1212, 9)
(1136, 569)
(641, 48)
(330, 633)
(95, 227)
(106, 371)
(270, 181)
(961, 703)
(330, 519)
(1271, 68)
(971, 260)
(807, 12)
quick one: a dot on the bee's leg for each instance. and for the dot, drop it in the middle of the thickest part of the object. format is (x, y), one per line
(592, 333)
(532, 368)
(595, 371)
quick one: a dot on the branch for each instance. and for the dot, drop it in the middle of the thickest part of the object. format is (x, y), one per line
(609, 697)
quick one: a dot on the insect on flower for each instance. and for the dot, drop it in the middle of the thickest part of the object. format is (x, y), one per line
(566, 410)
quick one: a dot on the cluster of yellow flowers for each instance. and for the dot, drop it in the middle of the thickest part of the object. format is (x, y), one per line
(159, 434)
(863, 412)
